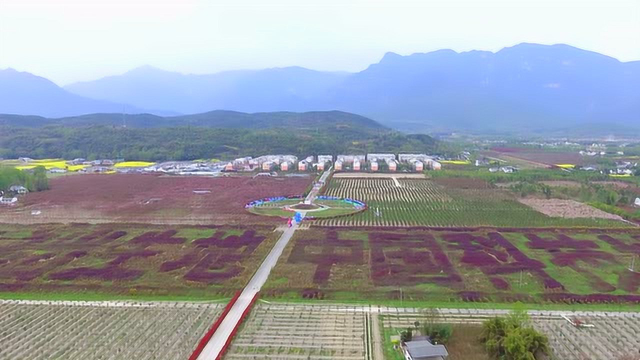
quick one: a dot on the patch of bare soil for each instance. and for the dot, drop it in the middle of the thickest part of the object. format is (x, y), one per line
(567, 209)
(562, 183)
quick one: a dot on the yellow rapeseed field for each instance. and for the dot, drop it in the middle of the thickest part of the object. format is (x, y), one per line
(133, 164)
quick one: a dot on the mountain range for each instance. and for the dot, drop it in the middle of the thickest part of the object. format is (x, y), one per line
(525, 87)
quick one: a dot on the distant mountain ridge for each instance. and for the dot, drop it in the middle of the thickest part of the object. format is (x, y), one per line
(24, 93)
(277, 89)
(526, 87)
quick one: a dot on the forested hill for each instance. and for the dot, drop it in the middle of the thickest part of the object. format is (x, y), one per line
(215, 119)
(211, 135)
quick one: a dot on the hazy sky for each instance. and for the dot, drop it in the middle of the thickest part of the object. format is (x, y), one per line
(71, 40)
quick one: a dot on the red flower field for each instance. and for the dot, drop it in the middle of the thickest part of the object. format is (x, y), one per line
(144, 198)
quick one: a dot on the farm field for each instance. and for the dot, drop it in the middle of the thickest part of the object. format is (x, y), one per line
(613, 337)
(279, 331)
(463, 345)
(85, 330)
(144, 198)
(549, 158)
(508, 265)
(567, 209)
(130, 260)
(445, 203)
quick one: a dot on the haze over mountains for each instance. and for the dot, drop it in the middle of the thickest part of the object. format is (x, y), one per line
(527, 86)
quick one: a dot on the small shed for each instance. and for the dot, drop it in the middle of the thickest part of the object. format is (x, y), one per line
(637, 202)
(424, 350)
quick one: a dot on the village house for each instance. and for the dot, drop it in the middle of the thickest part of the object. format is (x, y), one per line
(637, 202)
(325, 158)
(373, 166)
(18, 189)
(393, 165)
(356, 165)
(381, 157)
(302, 166)
(424, 350)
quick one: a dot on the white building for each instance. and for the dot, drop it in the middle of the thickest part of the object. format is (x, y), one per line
(338, 165)
(356, 165)
(325, 158)
(349, 159)
(393, 165)
(409, 158)
(381, 157)
(373, 166)
(418, 166)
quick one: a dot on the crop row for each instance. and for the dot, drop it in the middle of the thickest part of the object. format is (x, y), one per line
(297, 332)
(71, 331)
(424, 203)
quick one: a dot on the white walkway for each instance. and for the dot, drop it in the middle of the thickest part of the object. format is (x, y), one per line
(215, 345)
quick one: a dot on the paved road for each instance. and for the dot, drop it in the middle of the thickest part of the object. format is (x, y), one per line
(316, 188)
(215, 345)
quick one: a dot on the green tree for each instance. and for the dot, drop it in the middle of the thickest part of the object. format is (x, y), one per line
(40, 181)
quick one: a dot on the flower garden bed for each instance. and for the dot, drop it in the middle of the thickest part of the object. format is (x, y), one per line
(484, 265)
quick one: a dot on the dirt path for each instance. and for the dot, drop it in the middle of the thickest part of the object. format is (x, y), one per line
(378, 354)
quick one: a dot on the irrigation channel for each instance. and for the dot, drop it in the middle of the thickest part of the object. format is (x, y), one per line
(226, 329)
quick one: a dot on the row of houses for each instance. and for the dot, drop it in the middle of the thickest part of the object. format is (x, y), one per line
(352, 162)
(417, 162)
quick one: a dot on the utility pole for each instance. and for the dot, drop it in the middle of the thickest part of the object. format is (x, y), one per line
(521, 271)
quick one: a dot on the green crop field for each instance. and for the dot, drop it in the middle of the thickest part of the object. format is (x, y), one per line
(426, 203)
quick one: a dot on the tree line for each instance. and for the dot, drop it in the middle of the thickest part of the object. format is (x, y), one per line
(188, 143)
